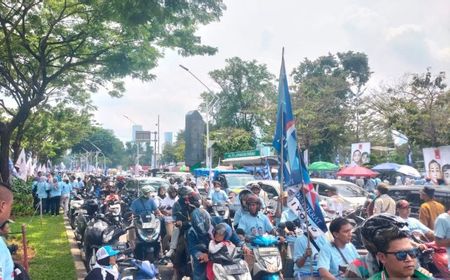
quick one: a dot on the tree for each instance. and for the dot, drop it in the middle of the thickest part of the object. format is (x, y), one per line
(324, 98)
(50, 131)
(418, 107)
(231, 140)
(111, 147)
(67, 49)
(247, 92)
(168, 154)
(180, 146)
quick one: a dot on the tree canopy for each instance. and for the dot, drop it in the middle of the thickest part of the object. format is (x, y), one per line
(64, 50)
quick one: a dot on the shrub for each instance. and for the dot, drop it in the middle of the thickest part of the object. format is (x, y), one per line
(23, 198)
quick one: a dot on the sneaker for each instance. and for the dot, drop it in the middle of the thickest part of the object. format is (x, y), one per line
(169, 253)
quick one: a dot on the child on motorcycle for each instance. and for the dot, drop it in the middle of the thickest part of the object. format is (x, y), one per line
(105, 268)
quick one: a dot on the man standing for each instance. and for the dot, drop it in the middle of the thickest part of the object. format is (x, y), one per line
(383, 203)
(6, 262)
(430, 209)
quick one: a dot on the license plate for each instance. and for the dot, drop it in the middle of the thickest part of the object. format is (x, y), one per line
(146, 225)
(234, 269)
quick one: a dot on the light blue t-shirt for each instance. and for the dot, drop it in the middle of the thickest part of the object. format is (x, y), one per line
(415, 224)
(330, 258)
(300, 245)
(219, 197)
(6, 262)
(255, 225)
(238, 215)
(442, 229)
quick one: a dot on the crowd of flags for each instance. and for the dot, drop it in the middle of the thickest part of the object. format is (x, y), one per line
(28, 166)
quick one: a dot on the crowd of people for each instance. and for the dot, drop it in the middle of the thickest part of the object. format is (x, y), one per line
(390, 236)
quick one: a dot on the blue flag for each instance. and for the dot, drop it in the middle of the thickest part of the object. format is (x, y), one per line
(285, 139)
(292, 167)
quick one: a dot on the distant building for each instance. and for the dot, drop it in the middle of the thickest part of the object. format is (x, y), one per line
(168, 137)
(135, 128)
(194, 136)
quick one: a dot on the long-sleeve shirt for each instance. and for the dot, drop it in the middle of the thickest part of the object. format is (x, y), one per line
(384, 204)
(42, 188)
(55, 189)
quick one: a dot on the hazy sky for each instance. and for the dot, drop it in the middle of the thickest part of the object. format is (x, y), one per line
(398, 37)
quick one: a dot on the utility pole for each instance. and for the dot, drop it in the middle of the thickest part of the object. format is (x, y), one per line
(158, 152)
(155, 141)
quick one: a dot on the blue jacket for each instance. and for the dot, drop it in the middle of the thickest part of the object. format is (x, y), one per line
(42, 188)
(66, 188)
(55, 189)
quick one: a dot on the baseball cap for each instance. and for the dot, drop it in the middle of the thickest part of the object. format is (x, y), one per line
(106, 251)
(147, 189)
(402, 204)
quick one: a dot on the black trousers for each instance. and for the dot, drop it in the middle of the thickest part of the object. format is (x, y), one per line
(54, 205)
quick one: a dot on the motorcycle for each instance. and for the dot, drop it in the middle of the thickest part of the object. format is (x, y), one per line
(75, 204)
(148, 229)
(82, 216)
(229, 266)
(268, 263)
(220, 212)
(132, 269)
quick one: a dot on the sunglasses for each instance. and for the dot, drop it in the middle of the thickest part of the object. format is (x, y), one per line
(401, 255)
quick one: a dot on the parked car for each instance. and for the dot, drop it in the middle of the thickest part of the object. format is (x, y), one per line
(412, 195)
(234, 182)
(352, 194)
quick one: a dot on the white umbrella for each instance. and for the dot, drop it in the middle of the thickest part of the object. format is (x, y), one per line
(408, 170)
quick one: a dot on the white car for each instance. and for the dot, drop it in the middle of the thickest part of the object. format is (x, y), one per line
(352, 194)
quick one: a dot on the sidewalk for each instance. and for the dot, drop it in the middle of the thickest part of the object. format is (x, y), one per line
(75, 251)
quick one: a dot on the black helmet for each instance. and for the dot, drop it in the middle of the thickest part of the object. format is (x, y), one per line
(254, 199)
(184, 191)
(376, 230)
(172, 189)
(243, 197)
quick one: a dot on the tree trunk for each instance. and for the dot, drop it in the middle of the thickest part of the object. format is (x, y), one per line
(5, 139)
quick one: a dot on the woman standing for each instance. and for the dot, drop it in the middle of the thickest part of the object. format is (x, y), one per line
(55, 197)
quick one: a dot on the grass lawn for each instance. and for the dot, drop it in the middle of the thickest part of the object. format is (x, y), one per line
(52, 259)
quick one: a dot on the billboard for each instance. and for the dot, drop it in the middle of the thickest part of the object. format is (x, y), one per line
(143, 136)
(437, 164)
(360, 154)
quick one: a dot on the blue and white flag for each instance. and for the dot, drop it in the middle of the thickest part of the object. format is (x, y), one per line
(266, 171)
(304, 201)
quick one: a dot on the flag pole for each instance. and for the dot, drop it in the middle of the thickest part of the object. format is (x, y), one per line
(280, 198)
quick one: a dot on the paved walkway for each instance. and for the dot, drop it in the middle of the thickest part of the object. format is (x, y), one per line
(75, 251)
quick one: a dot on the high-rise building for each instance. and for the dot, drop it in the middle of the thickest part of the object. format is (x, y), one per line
(135, 128)
(168, 137)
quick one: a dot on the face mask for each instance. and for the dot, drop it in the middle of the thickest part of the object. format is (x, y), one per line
(217, 189)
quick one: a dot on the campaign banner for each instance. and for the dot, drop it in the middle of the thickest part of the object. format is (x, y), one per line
(437, 164)
(360, 154)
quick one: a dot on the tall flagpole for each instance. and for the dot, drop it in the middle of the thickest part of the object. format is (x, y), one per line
(280, 200)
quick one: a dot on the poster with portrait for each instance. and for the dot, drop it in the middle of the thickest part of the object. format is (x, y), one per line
(437, 164)
(360, 154)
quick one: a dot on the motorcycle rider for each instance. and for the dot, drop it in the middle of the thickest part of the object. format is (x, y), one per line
(255, 223)
(374, 231)
(167, 206)
(243, 209)
(218, 196)
(256, 189)
(106, 267)
(144, 204)
(162, 193)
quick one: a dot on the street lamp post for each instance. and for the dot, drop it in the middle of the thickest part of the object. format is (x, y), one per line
(208, 106)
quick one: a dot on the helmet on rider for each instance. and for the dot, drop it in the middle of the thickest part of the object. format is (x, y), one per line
(193, 200)
(201, 221)
(376, 230)
(172, 191)
(146, 190)
(184, 191)
(253, 204)
(243, 197)
(222, 229)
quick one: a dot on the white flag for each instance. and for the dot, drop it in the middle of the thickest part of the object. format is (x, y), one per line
(22, 165)
(30, 168)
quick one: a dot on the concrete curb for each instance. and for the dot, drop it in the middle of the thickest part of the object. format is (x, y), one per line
(75, 251)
